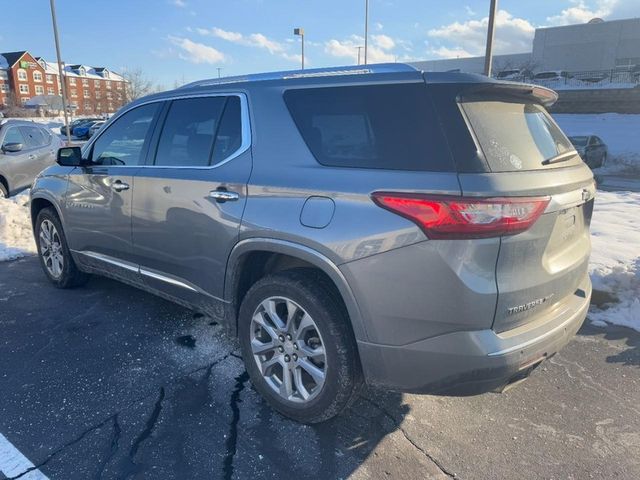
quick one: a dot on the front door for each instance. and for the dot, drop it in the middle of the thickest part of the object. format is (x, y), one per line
(20, 166)
(189, 200)
(99, 196)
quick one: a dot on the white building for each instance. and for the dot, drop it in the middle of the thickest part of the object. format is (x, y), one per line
(597, 45)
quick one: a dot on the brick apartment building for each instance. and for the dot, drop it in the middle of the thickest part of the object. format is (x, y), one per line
(90, 90)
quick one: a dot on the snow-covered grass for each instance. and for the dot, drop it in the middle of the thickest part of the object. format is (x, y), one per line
(621, 133)
(16, 239)
(615, 257)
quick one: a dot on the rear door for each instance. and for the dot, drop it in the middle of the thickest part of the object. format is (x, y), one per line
(41, 151)
(190, 199)
(543, 270)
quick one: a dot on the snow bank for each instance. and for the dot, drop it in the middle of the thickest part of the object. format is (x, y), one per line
(615, 257)
(621, 133)
(16, 238)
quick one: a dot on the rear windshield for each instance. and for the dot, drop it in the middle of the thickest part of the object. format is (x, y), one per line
(372, 126)
(579, 141)
(517, 136)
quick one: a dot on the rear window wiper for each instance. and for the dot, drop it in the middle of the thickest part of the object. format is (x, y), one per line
(563, 157)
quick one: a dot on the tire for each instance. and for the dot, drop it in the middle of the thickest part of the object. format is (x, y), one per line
(307, 292)
(66, 275)
(3, 191)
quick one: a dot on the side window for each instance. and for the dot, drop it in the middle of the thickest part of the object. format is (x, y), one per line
(229, 138)
(188, 134)
(593, 141)
(14, 135)
(123, 143)
(33, 136)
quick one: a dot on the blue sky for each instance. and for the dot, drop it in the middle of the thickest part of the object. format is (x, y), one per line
(184, 40)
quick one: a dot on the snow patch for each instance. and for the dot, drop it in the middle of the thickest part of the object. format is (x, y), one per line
(615, 258)
(16, 237)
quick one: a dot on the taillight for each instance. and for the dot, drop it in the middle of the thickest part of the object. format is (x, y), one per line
(442, 216)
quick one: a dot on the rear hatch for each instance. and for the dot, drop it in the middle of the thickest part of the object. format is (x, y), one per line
(519, 151)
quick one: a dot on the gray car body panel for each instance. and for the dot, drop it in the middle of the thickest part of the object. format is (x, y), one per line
(403, 292)
(19, 169)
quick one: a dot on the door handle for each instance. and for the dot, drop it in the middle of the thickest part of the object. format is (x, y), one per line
(32, 157)
(119, 186)
(222, 196)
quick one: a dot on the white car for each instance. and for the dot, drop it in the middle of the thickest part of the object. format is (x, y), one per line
(94, 128)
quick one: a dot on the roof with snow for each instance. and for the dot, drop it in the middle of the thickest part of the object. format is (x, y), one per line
(12, 57)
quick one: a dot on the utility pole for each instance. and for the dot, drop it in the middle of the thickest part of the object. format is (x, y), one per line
(490, 32)
(366, 29)
(300, 32)
(219, 69)
(359, 49)
(60, 69)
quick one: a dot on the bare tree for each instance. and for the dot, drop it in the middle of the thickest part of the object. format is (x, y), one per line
(137, 84)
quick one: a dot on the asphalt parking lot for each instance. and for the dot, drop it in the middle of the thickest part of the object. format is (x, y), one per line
(107, 382)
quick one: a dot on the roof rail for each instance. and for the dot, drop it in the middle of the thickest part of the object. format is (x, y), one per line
(309, 73)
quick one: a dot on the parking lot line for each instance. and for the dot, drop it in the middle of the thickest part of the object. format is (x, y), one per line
(13, 463)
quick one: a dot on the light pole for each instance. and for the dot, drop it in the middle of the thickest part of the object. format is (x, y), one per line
(359, 48)
(60, 69)
(490, 32)
(366, 29)
(219, 70)
(300, 32)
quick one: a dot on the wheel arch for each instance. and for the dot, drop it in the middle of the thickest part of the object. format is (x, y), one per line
(39, 202)
(5, 183)
(296, 255)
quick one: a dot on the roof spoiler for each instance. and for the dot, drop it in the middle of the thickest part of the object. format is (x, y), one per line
(542, 95)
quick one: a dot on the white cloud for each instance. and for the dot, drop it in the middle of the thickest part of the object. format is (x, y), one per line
(469, 11)
(582, 11)
(254, 40)
(512, 35)
(378, 26)
(179, 3)
(197, 52)
(383, 41)
(445, 52)
(349, 49)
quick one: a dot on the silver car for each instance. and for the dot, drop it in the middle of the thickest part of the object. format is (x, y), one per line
(423, 232)
(26, 149)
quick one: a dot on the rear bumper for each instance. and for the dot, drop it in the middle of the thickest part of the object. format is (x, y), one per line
(472, 362)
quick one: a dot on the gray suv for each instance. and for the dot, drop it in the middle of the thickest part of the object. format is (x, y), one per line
(424, 232)
(25, 150)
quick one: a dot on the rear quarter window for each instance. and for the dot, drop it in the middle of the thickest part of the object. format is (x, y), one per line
(373, 126)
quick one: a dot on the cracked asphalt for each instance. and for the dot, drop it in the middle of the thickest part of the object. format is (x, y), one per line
(108, 382)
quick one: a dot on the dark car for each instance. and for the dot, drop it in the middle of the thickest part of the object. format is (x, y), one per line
(348, 225)
(592, 149)
(76, 123)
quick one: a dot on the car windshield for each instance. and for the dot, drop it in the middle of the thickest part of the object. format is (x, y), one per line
(530, 141)
(579, 141)
(507, 73)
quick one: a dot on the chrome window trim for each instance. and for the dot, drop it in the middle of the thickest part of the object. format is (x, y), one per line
(245, 126)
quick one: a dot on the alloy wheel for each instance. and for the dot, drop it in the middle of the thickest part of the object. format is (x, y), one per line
(51, 248)
(288, 349)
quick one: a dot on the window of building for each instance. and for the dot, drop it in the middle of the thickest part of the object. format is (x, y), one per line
(96, 83)
(98, 95)
(74, 93)
(50, 91)
(124, 142)
(39, 90)
(24, 88)
(72, 81)
(24, 100)
(37, 76)
(4, 88)
(85, 92)
(119, 85)
(22, 74)
(49, 78)
(4, 75)
(109, 95)
(85, 82)
(107, 84)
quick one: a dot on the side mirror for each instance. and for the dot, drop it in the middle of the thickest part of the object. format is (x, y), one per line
(12, 147)
(70, 157)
